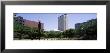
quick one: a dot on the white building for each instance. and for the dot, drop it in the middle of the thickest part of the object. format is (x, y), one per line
(62, 22)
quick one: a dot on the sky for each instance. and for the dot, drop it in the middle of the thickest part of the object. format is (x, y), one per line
(50, 20)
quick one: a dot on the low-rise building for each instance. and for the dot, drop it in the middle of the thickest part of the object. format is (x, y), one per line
(28, 23)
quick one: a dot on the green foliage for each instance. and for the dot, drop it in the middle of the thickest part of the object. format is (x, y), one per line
(53, 34)
(86, 30)
(69, 33)
(21, 31)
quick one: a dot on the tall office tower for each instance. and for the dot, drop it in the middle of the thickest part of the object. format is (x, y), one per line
(62, 22)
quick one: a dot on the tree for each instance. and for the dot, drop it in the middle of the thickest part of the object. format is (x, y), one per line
(69, 33)
(89, 30)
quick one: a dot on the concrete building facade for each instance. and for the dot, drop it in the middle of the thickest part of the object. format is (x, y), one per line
(62, 22)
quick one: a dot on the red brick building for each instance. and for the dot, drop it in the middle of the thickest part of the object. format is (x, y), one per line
(32, 24)
(28, 23)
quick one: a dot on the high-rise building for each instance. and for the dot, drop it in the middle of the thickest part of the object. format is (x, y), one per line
(62, 22)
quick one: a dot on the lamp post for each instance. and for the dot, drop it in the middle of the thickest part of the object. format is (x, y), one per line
(39, 30)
